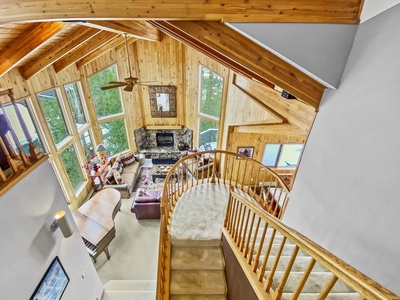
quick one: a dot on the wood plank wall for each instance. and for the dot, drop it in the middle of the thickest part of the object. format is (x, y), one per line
(171, 63)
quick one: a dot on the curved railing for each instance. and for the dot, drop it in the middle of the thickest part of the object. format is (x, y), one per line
(217, 167)
(260, 241)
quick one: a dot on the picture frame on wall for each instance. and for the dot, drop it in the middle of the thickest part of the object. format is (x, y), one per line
(53, 283)
(246, 151)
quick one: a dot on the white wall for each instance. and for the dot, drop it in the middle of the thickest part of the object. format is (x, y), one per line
(319, 50)
(29, 246)
(346, 193)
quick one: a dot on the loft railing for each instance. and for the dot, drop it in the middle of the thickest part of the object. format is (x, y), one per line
(258, 241)
(217, 167)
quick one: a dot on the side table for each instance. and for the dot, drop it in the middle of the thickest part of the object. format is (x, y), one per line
(98, 178)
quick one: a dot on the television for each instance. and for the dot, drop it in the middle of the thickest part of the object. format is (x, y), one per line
(53, 283)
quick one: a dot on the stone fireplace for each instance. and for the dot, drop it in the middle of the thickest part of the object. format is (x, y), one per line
(162, 143)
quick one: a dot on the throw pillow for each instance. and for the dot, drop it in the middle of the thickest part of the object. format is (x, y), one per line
(117, 177)
(117, 167)
(110, 175)
(128, 158)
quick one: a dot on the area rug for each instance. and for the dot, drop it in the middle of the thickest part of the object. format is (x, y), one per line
(145, 180)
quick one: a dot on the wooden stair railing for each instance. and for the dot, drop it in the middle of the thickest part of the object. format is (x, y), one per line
(252, 234)
(224, 168)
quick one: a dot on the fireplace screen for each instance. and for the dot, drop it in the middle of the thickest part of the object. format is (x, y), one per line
(165, 139)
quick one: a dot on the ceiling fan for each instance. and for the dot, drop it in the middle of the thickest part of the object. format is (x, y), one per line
(129, 82)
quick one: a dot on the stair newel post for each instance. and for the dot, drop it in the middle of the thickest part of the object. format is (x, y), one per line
(257, 259)
(34, 151)
(303, 279)
(21, 151)
(279, 290)
(275, 265)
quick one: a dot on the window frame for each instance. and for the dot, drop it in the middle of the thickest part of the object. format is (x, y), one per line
(279, 154)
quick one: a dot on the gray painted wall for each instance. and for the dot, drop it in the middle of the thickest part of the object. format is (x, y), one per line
(29, 246)
(321, 50)
(346, 194)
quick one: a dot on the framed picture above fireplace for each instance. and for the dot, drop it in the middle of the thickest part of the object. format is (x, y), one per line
(162, 101)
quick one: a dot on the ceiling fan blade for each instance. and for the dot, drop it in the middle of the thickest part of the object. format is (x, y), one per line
(117, 82)
(129, 88)
(109, 87)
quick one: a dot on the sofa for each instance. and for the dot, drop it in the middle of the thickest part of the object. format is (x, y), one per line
(200, 166)
(146, 204)
(123, 174)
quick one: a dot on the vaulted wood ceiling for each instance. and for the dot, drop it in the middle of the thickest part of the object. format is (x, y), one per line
(37, 34)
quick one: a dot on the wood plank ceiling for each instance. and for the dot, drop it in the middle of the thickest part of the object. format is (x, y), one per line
(37, 34)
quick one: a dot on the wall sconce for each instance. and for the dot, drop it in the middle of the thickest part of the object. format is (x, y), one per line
(61, 221)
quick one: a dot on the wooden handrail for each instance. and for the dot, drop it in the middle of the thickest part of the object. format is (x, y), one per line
(360, 283)
(220, 167)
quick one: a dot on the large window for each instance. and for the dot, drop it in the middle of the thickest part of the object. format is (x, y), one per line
(75, 103)
(106, 102)
(28, 119)
(54, 116)
(282, 155)
(72, 167)
(211, 85)
(114, 136)
(87, 145)
(109, 110)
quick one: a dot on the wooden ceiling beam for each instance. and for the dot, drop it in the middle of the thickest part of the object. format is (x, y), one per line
(26, 43)
(138, 29)
(58, 51)
(283, 129)
(309, 11)
(114, 43)
(84, 49)
(244, 57)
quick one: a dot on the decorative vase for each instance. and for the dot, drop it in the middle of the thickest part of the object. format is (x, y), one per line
(181, 146)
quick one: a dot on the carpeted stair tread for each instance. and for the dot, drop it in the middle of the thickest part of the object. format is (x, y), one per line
(333, 296)
(314, 284)
(196, 258)
(197, 297)
(195, 243)
(131, 295)
(197, 282)
(130, 285)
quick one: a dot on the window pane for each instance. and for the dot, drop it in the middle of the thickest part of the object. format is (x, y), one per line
(54, 117)
(208, 135)
(87, 145)
(75, 103)
(271, 154)
(211, 92)
(114, 136)
(72, 166)
(290, 155)
(27, 115)
(106, 102)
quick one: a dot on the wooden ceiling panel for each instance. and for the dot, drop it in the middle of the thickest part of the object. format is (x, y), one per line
(10, 32)
(321, 11)
(84, 49)
(25, 44)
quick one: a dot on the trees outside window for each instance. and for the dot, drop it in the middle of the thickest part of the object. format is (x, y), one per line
(73, 94)
(54, 116)
(114, 136)
(87, 145)
(211, 86)
(109, 110)
(72, 167)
